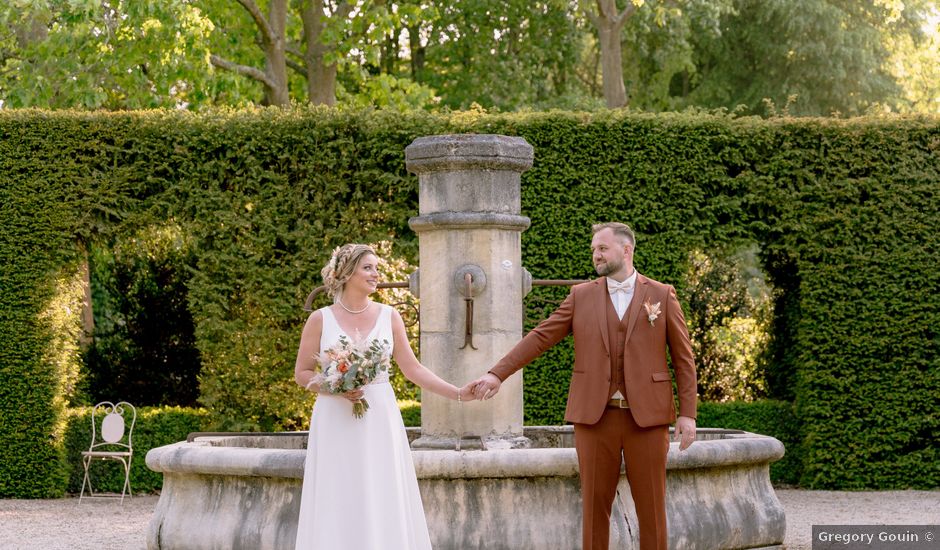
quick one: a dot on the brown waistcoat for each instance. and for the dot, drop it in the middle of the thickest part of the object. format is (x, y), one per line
(617, 336)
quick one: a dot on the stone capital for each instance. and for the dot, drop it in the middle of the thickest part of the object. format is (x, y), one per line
(468, 152)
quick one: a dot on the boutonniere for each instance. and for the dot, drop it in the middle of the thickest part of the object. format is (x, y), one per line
(652, 311)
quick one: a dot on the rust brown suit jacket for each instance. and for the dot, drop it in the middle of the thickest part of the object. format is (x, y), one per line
(648, 383)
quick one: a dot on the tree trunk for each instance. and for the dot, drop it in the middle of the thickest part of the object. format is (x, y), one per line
(274, 45)
(609, 26)
(278, 92)
(417, 53)
(321, 78)
(615, 93)
(389, 62)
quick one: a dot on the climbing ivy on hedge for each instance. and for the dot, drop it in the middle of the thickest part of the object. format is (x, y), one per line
(845, 213)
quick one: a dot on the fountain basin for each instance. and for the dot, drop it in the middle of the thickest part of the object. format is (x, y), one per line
(243, 491)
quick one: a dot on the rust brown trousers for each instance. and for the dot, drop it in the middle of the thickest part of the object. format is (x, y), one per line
(604, 434)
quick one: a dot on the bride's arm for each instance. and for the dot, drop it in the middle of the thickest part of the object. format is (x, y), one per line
(415, 371)
(306, 365)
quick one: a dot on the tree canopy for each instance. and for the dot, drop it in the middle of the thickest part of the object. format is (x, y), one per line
(810, 57)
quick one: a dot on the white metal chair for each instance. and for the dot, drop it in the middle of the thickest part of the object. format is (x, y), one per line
(110, 440)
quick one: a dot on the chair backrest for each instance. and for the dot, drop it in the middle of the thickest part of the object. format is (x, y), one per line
(109, 425)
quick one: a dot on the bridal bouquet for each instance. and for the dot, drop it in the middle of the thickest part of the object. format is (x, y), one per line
(347, 366)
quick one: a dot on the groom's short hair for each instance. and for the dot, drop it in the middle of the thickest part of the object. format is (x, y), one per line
(621, 230)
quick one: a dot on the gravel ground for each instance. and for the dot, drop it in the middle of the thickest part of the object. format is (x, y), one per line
(95, 524)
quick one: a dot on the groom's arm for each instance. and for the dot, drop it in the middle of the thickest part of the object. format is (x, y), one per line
(547, 334)
(680, 351)
(683, 363)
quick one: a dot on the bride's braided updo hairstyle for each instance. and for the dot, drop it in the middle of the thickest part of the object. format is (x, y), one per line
(341, 267)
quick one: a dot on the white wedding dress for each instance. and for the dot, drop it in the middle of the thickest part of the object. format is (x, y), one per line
(360, 490)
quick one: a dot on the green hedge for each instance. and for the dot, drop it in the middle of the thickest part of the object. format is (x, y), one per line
(845, 212)
(47, 193)
(768, 417)
(410, 412)
(856, 214)
(155, 427)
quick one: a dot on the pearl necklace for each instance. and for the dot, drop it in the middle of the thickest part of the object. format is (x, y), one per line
(353, 311)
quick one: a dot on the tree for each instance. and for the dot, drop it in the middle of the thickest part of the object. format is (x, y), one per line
(915, 60)
(273, 41)
(642, 45)
(609, 21)
(304, 39)
(502, 54)
(820, 56)
(109, 54)
(316, 39)
(320, 66)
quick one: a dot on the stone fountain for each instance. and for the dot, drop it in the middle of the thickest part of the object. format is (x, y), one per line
(508, 486)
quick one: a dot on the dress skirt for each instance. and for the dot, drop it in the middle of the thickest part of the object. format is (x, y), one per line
(360, 491)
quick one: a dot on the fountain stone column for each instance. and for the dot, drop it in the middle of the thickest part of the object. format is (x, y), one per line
(469, 222)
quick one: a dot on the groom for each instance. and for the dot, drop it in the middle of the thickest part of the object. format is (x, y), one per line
(620, 400)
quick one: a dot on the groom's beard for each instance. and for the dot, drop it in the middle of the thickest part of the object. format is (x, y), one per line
(606, 268)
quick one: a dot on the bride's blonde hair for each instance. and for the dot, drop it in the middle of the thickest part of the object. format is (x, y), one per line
(341, 267)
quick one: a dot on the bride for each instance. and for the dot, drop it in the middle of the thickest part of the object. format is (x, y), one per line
(360, 491)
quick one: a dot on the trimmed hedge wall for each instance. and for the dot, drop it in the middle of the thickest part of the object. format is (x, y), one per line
(767, 417)
(845, 211)
(864, 236)
(155, 427)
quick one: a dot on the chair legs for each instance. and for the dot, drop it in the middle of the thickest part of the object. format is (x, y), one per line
(127, 479)
(125, 488)
(91, 492)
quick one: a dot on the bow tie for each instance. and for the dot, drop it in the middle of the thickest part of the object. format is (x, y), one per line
(614, 287)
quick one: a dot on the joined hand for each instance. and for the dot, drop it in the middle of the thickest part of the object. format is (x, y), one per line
(466, 392)
(486, 386)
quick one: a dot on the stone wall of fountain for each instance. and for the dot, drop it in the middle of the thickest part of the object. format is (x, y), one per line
(242, 491)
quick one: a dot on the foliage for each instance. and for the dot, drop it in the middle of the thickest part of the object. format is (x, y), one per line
(45, 206)
(105, 54)
(660, 47)
(267, 215)
(728, 311)
(914, 60)
(844, 213)
(410, 412)
(829, 56)
(864, 243)
(144, 348)
(823, 56)
(155, 427)
(502, 54)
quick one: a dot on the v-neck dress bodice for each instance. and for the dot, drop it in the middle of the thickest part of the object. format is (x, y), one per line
(381, 331)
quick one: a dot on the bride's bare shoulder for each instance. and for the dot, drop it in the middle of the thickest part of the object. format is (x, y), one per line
(315, 320)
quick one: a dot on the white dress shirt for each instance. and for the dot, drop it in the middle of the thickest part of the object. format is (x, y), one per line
(621, 294)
